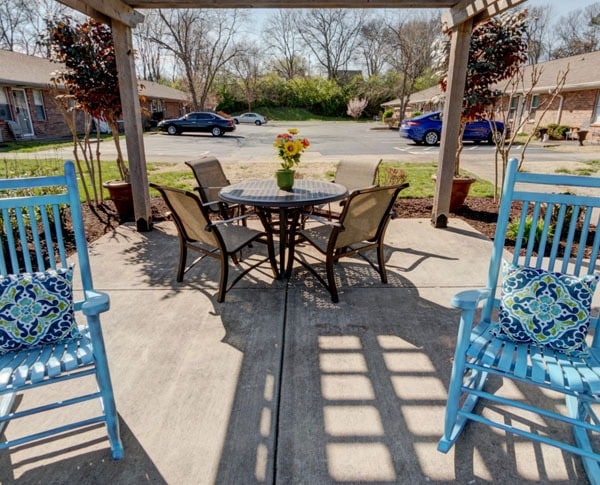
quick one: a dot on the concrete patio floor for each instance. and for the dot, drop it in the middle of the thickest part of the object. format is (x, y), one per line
(277, 385)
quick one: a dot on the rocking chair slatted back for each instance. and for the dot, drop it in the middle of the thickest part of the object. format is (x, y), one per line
(552, 228)
(37, 216)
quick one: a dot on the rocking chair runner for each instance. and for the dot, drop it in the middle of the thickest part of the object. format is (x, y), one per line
(220, 239)
(40, 342)
(537, 338)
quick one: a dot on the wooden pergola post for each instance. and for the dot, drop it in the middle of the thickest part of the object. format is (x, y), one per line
(134, 133)
(457, 71)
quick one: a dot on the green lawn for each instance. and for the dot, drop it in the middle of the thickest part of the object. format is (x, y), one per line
(418, 175)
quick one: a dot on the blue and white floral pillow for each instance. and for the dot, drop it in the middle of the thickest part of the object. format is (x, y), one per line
(545, 308)
(36, 309)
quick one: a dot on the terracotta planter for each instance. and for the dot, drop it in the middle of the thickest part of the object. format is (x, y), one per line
(460, 190)
(285, 179)
(121, 195)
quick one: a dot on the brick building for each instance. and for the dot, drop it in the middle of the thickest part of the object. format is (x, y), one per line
(27, 102)
(577, 106)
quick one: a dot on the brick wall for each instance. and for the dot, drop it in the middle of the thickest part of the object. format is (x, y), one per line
(577, 110)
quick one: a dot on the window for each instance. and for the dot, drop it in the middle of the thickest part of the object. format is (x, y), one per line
(596, 118)
(535, 101)
(4, 107)
(38, 101)
(514, 106)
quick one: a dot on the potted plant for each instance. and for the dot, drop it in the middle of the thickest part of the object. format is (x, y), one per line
(498, 48)
(289, 149)
(91, 80)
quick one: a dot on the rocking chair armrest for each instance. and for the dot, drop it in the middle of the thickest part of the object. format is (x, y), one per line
(95, 302)
(469, 299)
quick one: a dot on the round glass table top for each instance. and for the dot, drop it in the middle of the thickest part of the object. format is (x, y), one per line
(265, 193)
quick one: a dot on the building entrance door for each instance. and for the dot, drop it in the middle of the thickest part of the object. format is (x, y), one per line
(22, 112)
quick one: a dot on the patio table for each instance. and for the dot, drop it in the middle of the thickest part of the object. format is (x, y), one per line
(263, 194)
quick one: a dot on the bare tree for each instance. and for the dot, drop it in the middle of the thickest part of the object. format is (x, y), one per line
(331, 35)
(22, 21)
(283, 40)
(520, 86)
(410, 39)
(149, 52)
(373, 46)
(538, 31)
(578, 32)
(247, 67)
(202, 42)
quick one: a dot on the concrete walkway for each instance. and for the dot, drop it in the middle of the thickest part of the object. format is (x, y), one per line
(277, 385)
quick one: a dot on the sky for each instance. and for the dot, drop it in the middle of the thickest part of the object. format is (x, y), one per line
(561, 7)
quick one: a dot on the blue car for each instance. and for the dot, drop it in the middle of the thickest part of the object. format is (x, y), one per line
(427, 128)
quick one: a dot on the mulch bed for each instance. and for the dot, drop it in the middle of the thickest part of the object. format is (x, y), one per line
(479, 212)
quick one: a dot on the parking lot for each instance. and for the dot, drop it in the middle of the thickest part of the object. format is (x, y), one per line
(251, 146)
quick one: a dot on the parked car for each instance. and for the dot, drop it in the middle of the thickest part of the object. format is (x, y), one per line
(427, 128)
(250, 118)
(198, 121)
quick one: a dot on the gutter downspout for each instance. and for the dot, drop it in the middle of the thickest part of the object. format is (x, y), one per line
(560, 108)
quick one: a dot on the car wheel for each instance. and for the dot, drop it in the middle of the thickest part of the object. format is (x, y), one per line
(172, 130)
(490, 139)
(431, 138)
(236, 121)
(216, 131)
(257, 123)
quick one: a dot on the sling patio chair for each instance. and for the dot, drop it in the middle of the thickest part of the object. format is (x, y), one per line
(354, 175)
(533, 335)
(221, 239)
(50, 343)
(360, 228)
(211, 178)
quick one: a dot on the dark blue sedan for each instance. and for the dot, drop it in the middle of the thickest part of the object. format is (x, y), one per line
(427, 128)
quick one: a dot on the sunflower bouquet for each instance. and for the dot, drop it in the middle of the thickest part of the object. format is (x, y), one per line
(290, 148)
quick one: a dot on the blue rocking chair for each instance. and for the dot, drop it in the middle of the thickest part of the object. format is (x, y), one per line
(41, 342)
(535, 332)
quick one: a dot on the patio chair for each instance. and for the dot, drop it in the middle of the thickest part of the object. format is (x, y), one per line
(46, 336)
(218, 239)
(211, 178)
(534, 333)
(354, 175)
(361, 227)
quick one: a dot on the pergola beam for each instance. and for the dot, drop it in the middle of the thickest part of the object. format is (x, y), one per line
(476, 10)
(290, 3)
(105, 10)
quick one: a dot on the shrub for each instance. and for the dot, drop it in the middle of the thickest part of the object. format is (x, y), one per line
(388, 113)
(557, 132)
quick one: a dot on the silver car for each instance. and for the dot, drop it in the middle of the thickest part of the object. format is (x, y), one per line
(250, 118)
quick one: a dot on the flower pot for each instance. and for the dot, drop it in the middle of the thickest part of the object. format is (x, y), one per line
(460, 190)
(121, 195)
(285, 178)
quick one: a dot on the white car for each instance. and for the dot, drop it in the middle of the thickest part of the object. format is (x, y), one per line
(250, 118)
